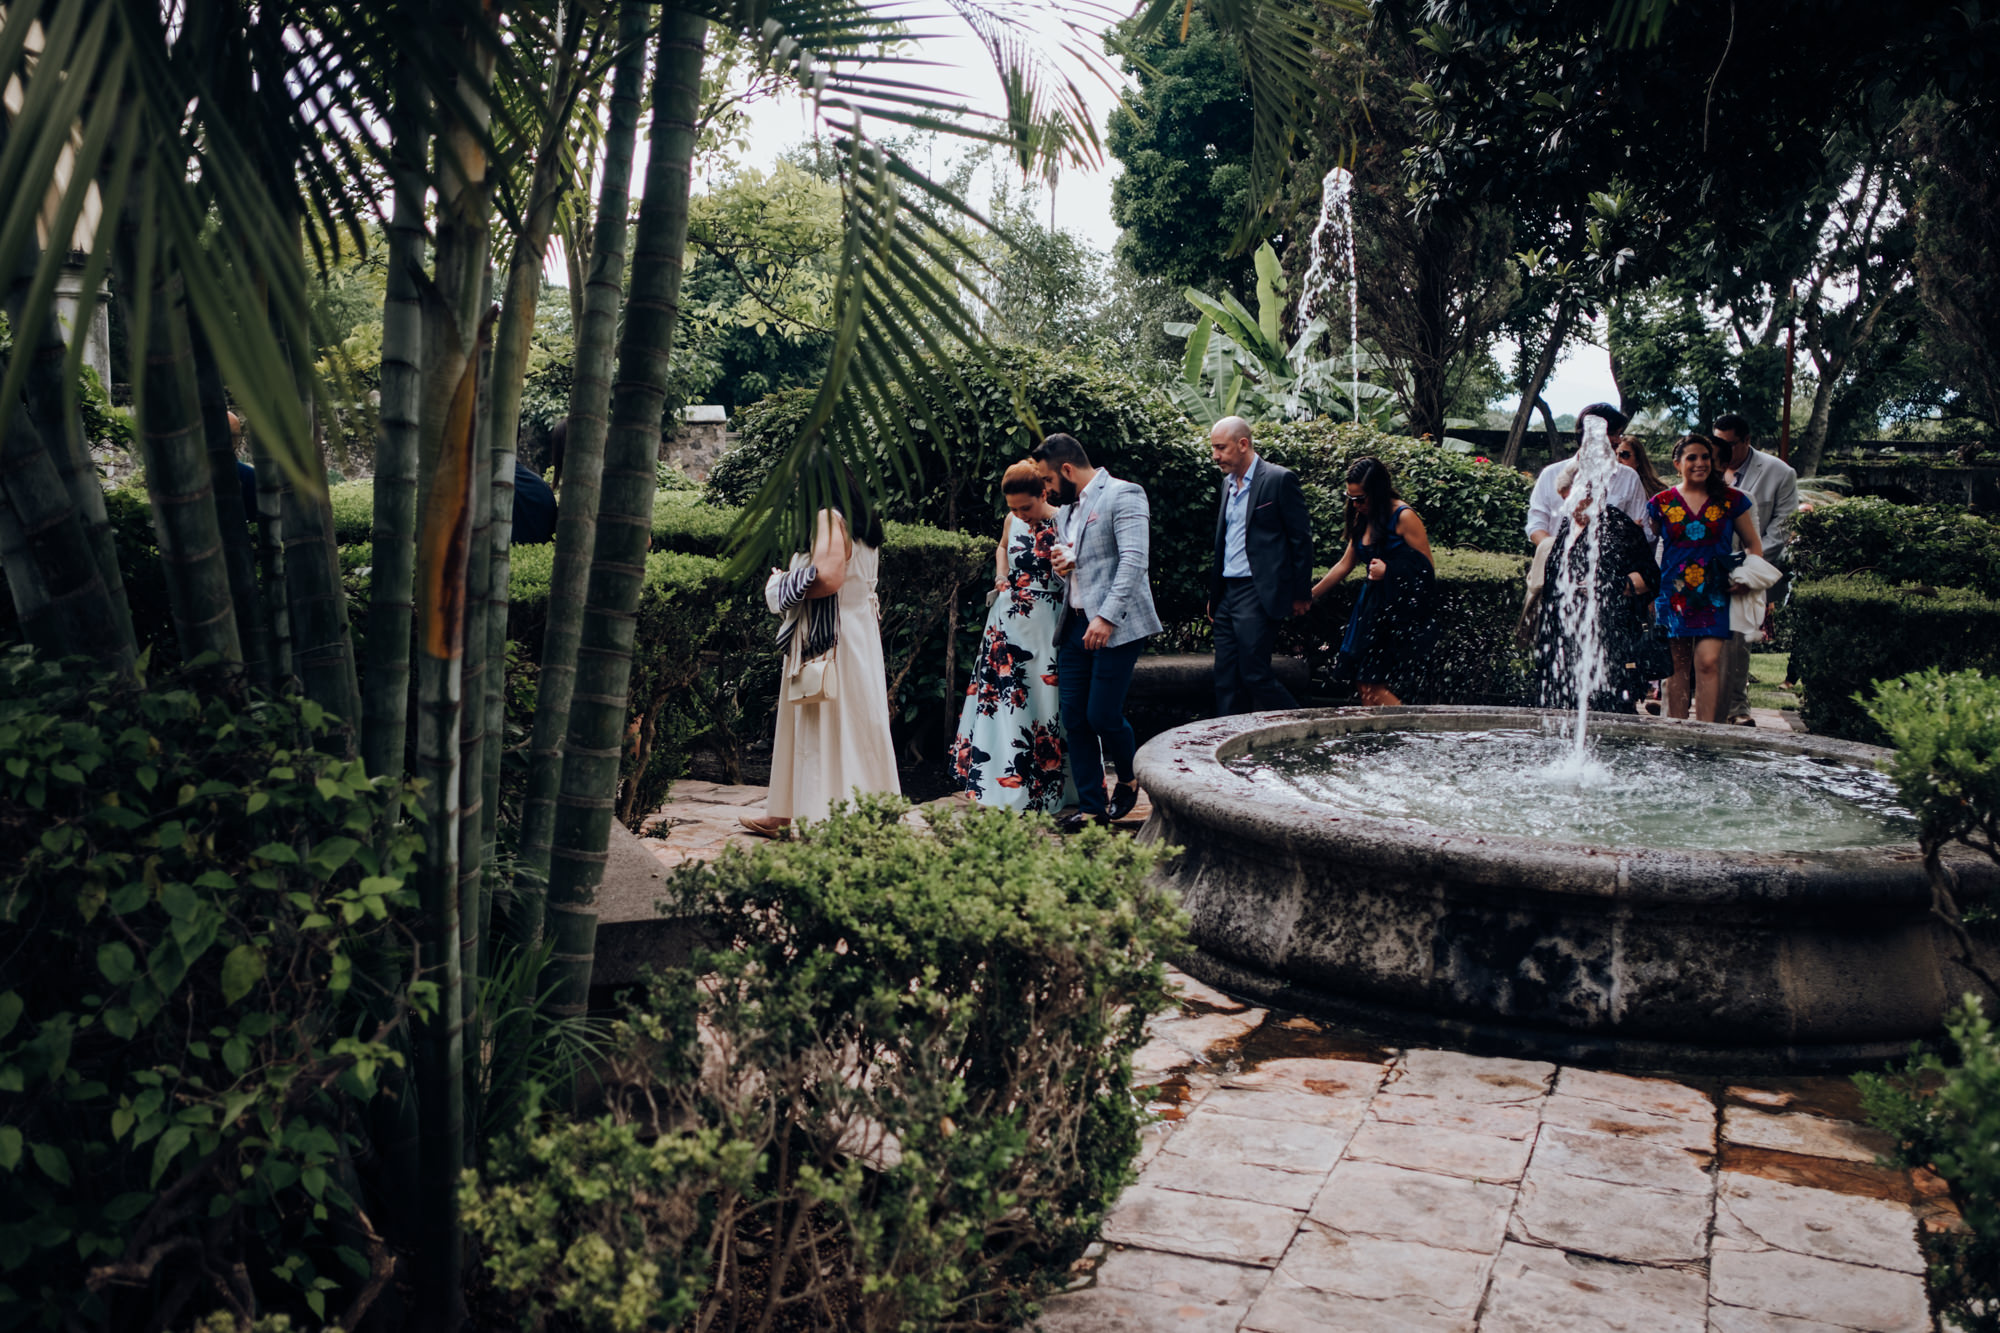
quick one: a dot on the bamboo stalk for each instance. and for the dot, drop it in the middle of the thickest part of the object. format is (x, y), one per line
(59, 595)
(385, 705)
(238, 550)
(618, 565)
(576, 526)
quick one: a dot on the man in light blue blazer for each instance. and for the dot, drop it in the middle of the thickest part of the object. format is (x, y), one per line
(1105, 525)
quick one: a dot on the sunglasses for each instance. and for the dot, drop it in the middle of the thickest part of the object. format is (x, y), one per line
(1625, 454)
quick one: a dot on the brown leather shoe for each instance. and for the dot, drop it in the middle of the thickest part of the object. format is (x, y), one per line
(766, 826)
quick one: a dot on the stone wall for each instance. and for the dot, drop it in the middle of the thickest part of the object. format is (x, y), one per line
(704, 436)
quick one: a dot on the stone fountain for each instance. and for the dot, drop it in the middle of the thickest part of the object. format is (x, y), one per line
(1316, 883)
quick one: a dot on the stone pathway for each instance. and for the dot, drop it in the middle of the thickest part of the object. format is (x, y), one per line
(1297, 1181)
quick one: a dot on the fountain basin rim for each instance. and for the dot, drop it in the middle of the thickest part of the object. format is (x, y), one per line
(1184, 772)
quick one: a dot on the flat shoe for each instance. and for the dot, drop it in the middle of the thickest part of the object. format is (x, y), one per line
(1079, 821)
(1124, 799)
(765, 826)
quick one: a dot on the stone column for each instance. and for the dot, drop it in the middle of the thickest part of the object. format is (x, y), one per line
(70, 300)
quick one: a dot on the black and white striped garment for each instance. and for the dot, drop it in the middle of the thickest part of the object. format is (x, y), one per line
(819, 615)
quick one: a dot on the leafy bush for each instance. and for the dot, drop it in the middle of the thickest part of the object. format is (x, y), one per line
(201, 974)
(353, 505)
(1939, 545)
(1946, 730)
(1464, 503)
(1947, 1116)
(894, 1093)
(1849, 633)
(1475, 603)
(1122, 424)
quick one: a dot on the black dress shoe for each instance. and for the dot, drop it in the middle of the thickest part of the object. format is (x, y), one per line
(1078, 822)
(1124, 799)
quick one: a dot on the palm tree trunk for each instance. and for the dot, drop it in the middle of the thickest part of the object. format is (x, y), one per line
(270, 517)
(178, 485)
(322, 647)
(576, 528)
(618, 565)
(385, 708)
(474, 900)
(52, 571)
(61, 430)
(238, 551)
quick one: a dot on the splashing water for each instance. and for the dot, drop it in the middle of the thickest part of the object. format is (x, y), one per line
(1328, 249)
(1576, 587)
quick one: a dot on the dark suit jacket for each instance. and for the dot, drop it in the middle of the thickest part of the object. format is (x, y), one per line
(1278, 540)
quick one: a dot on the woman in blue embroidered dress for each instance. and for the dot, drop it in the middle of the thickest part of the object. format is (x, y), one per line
(1010, 751)
(1698, 522)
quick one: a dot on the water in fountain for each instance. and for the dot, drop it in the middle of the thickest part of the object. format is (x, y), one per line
(1510, 782)
(1575, 584)
(1329, 249)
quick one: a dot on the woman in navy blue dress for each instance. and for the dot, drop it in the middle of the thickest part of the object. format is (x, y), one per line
(1390, 632)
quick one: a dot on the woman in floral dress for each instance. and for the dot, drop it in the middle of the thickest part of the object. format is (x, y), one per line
(1697, 522)
(1009, 751)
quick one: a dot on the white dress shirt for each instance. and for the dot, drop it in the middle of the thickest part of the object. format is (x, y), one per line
(1627, 492)
(1073, 518)
(1236, 517)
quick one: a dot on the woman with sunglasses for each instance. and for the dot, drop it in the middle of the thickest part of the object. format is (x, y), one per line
(1389, 633)
(1696, 521)
(1632, 453)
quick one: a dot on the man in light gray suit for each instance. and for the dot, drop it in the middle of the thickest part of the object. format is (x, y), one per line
(1105, 532)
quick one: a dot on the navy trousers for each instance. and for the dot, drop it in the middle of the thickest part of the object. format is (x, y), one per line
(1093, 686)
(1244, 638)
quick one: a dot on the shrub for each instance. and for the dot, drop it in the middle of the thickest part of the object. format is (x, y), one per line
(1939, 545)
(1475, 603)
(353, 504)
(1847, 634)
(201, 975)
(895, 1092)
(1464, 503)
(1948, 1117)
(1946, 730)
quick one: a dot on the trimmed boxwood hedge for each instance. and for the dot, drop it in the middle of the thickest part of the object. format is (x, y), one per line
(1939, 545)
(1477, 600)
(1848, 633)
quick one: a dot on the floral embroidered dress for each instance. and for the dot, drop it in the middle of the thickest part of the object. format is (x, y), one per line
(1010, 750)
(1694, 569)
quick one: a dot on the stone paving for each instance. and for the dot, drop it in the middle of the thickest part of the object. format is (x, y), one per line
(1299, 1179)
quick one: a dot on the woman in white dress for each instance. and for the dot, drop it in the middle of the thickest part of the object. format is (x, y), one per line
(827, 752)
(1010, 751)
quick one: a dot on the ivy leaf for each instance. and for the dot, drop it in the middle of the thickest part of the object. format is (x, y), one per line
(116, 961)
(334, 853)
(168, 1148)
(180, 901)
(11, 1005)
(242, 968)
(53, 1162)
(127, 1206)
(10, 1147)
(277, 853)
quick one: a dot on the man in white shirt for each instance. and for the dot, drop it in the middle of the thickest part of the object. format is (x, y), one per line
(1626, 492)
(1773, 488)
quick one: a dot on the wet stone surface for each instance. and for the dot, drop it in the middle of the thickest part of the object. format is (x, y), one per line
(1298, 1178)
(1301, 1180)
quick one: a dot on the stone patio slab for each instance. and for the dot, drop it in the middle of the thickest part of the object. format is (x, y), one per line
(1470, 1078)
(1288, 1306)
(1536, 1290)
(1199, 1035)
(1305, 1108)
(1506, 1120)
(1191, 991)
(1800, 1132)
(1623, 1161)
(1395, 1203)
(1626, 1222)
(1202, 1281)
(1735, 1319)
(1420, 1278)
(1281, 1145)
(1807, 1288)
(1327, 1078)
(1654, 1096)
(1448, 1152)
(1232, 1229)
(1605, 1118)
(1754, 1213)
(1209, 1178)
(1107, 1310)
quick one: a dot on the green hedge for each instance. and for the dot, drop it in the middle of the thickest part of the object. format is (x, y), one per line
(353, 504)
(1477, 600)
(1847, 634)
(1938, 545)
(1465, 504)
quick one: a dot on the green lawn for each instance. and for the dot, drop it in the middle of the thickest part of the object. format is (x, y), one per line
(1767, 681)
